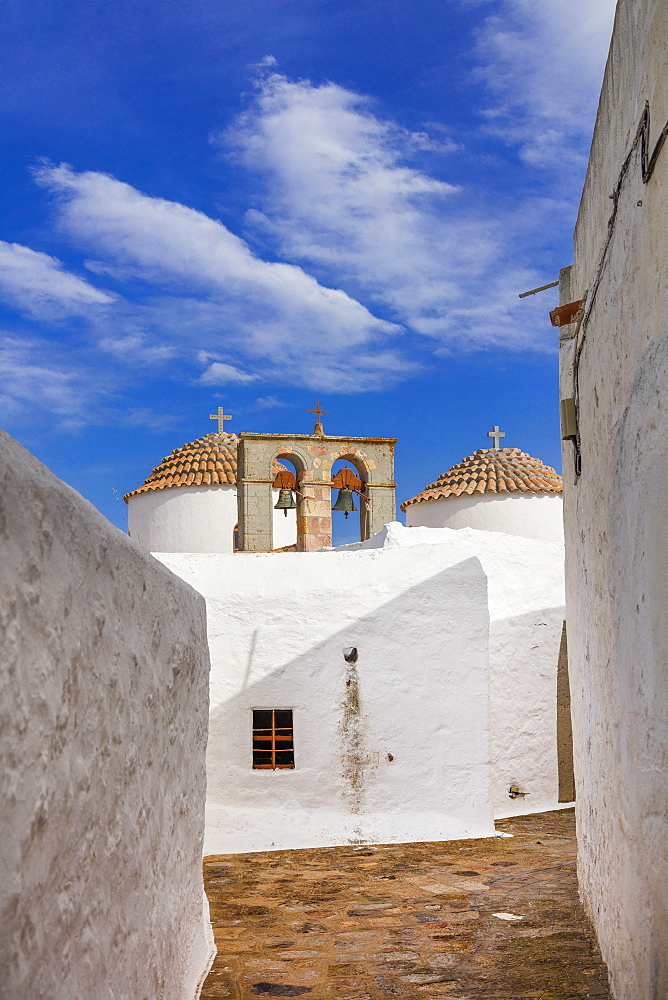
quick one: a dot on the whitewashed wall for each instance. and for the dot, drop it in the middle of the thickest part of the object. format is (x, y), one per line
(525, 582)
(184, 519)
(527, 515)
(616, 517)
(277, 627)
(103, 721)
(196, 519)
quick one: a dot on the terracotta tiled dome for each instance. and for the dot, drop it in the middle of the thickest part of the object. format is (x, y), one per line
(492, 470)
(209, 461)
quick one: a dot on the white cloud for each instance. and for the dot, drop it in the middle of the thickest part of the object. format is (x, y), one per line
(31, 377)
(544, 64)
(51, 384)
(377, 242)
(219, 373)
(341, 195)
(265, 63)
(38, 284)
(207, 287)
(144, 416)
(269, 403)
(131, 344)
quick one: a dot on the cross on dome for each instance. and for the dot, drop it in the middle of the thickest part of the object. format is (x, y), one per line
(496, 434)
(220, 417)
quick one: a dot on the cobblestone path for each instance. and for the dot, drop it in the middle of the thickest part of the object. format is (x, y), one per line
(407, 920)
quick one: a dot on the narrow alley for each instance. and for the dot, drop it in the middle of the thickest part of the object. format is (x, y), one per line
(497, 919)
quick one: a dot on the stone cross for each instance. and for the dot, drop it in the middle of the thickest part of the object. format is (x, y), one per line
(496, 434)
(220, 417)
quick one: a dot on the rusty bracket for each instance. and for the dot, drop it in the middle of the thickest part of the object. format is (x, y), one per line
(570, 313)
(285, 480)
(345, 479)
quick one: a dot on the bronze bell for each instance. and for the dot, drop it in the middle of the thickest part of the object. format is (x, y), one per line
(345, 501)
(285, 501)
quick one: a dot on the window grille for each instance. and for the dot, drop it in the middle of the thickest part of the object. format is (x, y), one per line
(273, 746)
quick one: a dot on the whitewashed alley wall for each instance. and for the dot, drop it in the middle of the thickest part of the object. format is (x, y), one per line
(616, 515)
(525, 582)
(412, 761)
(103, 721)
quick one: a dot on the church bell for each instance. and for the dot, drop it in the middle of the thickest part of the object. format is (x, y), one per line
(285, 501)
(345, 501)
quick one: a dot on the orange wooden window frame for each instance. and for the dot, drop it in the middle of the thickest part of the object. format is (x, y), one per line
(272, 736)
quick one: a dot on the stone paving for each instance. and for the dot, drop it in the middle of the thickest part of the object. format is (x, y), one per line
(497, 919)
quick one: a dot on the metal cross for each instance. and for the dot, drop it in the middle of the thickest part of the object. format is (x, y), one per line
(318, 412)
(220, 417)
(496, 434)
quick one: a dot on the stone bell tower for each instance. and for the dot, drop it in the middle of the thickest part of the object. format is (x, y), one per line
(312, 456)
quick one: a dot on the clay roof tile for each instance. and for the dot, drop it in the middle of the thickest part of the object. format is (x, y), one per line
(209, 461)
(492, 470)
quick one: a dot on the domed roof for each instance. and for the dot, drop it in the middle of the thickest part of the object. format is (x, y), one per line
(209, 461)
(492, 470)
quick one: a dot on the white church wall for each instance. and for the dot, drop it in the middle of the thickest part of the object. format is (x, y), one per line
(527, 515)
(616, 515)
(184, 519)
(195, 519)
(396, 748)
(103, 722)
(525, 580)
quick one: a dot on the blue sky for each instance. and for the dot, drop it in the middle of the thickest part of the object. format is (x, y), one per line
(256, 204)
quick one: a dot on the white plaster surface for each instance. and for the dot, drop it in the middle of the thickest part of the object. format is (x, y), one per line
(196, 519)
(103, 721)
(525, 583)
(278, 624)
(537, 515)
(616, 516)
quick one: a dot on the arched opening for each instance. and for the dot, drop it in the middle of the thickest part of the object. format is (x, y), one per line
(312, 458)
(353, 528)
(284, 522)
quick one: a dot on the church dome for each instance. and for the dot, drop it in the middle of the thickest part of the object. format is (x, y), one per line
(492, 470)
(209, 461)
(189, 501)
(495, 489)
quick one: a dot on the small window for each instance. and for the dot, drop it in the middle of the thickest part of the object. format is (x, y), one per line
(273, 747)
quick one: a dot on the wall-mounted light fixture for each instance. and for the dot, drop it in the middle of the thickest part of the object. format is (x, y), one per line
(568, 413)
(350, 654)
(515, 792)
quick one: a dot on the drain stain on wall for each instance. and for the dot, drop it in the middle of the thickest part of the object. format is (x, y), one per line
(353, 754)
